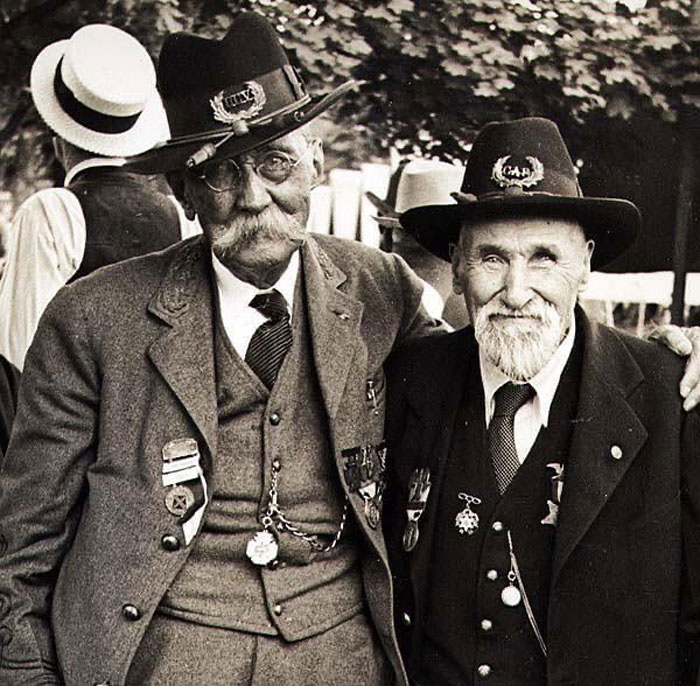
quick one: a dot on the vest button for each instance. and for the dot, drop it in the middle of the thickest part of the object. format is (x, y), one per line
(497, 526)
(170, 543)
(486, 625)
(616, 452)
(275, 419)
(406, 619)
(492, 575)
(131, 613)
(483, 670)
(277, 609)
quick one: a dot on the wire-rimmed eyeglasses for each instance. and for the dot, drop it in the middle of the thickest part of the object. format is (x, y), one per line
(273, 166)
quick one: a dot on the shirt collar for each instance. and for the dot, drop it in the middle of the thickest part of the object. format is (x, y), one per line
(90, 163)
(545, 382)
(237, 293)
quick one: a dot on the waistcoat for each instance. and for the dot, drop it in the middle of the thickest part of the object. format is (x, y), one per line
(470, 632)
(307, 591)
(126, 215)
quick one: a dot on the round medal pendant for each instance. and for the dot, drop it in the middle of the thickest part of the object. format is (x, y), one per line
(262, 548)
(510, 596)
(178, 500)
(372, 513)
(410, 536)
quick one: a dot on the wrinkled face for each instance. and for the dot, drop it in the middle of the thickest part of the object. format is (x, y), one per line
(259, 221)
(521, 277)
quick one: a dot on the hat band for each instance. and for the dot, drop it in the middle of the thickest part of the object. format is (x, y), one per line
(86, 116)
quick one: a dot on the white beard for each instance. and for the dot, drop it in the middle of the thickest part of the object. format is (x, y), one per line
(519, 347)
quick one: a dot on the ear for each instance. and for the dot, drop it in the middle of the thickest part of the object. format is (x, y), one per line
(590, 247)
(178, 184)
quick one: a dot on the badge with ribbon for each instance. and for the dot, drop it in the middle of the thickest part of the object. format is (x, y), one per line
(557, 487)
(364, 470)
(186, 489)
(418, 492)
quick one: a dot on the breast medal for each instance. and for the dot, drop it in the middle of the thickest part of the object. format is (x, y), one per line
(418, 492)
(467, 521)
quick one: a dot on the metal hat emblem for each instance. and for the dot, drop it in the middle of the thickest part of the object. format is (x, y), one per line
(508, 175)
(245, 103)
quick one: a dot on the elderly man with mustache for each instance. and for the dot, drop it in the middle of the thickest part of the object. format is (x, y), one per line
(193, 489)
(543, 501)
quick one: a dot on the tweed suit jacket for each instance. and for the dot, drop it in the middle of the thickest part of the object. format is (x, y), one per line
(122, 363)
(624, 600)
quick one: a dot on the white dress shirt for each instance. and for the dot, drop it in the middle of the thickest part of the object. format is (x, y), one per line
(534, 414)
(46, 244)
(240, 320)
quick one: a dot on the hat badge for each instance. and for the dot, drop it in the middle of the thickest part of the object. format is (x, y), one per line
(245, 103)
(510, 175)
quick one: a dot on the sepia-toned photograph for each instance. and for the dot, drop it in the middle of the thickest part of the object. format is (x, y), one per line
(349, 343)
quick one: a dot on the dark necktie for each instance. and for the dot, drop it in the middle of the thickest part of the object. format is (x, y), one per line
(272, 339)
(501, 438)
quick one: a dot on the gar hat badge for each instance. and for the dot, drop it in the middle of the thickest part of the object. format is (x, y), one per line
(183, 477)
(557, 488)
(418, 492)
(364, 472)
(234, 108)
(467, 521)
(508, 175)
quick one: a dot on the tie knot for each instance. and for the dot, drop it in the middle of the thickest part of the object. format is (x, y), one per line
(272, 305)
(511, 397)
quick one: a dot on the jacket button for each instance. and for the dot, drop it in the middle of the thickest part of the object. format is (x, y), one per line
(131, 613)
(275, 419)
(406, 619)
(170, 543)
(5, 636)
(483, 670)
(616, 452)
(277, 609)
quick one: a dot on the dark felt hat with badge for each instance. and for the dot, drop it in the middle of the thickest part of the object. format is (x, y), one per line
(518, 168)
(226, 97)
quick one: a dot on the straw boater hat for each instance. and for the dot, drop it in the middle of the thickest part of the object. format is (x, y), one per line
(224, 98)
(519, 168)
(97, 90)
(416, 183)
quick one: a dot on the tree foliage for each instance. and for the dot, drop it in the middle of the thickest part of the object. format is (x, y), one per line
(431, 72)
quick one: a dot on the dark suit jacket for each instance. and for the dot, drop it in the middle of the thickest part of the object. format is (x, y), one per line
(624, 603)
(9, 382)
(121, 364)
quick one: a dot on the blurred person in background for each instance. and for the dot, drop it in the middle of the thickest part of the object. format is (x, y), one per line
(97, 93)
(415, 183)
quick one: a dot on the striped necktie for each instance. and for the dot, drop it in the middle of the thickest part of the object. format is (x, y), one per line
(272, 339)
(501, 437)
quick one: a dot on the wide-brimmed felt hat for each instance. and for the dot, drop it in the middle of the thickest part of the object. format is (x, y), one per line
(518, 168)
(416, 183)
(97, 90)
(226, 97)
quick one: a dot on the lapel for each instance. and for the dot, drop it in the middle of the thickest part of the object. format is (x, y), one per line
(436, 412)
(183, 354)
(605, 418)
(334, 320)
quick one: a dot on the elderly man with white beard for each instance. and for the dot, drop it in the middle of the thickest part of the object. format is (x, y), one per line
(543, 496)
